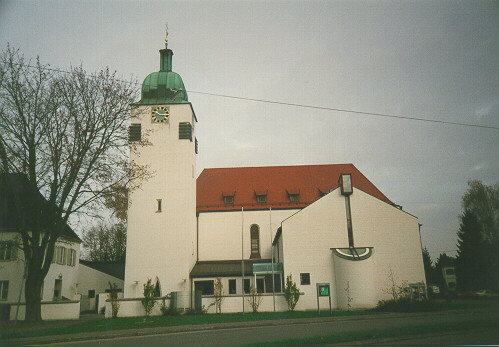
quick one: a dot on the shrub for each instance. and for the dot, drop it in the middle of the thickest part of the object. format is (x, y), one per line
(291, 293)
(405, 304)
(218, 293)
(255, 299)
(115, 304)
(148, 301)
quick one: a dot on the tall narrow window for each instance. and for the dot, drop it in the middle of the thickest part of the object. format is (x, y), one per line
(4, 290)
(159, 205)
(232, 286)
(255, 241)
(5, 251)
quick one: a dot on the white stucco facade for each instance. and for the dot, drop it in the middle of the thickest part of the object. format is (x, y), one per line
(61, 278)
(308, 236)
(161, 244)
(223, 235)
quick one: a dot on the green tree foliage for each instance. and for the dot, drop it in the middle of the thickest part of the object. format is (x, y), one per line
(106, 243)
(291, 293)
(149, 297)
(471, 262)
(68, 133)
(428, 267)
(477, 265)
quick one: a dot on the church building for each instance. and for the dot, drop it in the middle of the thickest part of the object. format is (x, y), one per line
(327, 226)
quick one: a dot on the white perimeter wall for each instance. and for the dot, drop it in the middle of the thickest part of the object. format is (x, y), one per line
(54, 310)
(91, 279)
(308, 236)
(220, 233)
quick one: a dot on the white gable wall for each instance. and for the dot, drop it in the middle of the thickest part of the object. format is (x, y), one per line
(219, 233)
(309, 235)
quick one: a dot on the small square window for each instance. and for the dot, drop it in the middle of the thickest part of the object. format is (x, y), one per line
(91, 294)
(305, 279)
(229, 200)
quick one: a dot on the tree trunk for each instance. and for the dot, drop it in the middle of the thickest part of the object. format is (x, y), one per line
(32, 293)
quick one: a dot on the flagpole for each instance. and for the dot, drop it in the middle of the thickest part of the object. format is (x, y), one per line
(242, 250)
(272, 255)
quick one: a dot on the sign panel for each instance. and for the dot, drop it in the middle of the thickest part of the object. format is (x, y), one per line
(324, 289)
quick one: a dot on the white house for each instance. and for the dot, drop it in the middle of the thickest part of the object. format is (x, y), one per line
(253, 226)
(59, 287)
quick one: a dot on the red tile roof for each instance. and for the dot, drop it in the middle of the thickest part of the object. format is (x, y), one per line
(309, 181)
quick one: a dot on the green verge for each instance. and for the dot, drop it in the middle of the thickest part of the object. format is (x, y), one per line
(375, 335)
(26, 330)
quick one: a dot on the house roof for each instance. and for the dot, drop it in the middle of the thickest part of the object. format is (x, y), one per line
(115, 269)
(10, 218)
(310, 182)
(224, 268)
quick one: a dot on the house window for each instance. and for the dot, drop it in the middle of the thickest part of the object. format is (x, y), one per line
(229, 200)
(58, 289)
(71, 257)
(247, 285)
(261, 199)
(60, 255)
(255, 241)
(260, 285)
(294, 197)
(232, 286)
(5, 251)
(91, 293)
(196, 146)
(185, 131)
(4, 290)
(134, 132)
(159, 205)
(304, 279)
(205, 287)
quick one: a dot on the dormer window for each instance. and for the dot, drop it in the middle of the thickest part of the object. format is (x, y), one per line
(228, 198)
(261, 196)
(261, 199)
(294, 195)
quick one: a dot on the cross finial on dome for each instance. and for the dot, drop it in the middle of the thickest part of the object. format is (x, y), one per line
(166, 36)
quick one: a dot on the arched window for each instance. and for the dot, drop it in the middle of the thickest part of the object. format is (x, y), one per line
(255, 241)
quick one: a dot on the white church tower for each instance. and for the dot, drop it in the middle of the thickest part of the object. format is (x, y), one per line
(161, 236)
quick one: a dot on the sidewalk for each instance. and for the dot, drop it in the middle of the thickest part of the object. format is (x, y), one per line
(207, 327)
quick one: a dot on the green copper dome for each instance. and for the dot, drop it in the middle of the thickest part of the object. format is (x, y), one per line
(164, 86)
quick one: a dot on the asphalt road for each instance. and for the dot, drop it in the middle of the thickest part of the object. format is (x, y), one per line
(208, 336)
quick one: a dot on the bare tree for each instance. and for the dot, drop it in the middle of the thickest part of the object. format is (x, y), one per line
(68, 134)
(106, 243)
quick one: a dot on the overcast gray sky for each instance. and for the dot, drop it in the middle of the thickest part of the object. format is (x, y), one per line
(426, 59)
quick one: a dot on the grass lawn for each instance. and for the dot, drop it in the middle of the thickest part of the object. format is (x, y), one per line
(73, 327)
(377, 334)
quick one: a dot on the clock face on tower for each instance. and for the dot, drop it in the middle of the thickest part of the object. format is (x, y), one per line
(160, 114)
